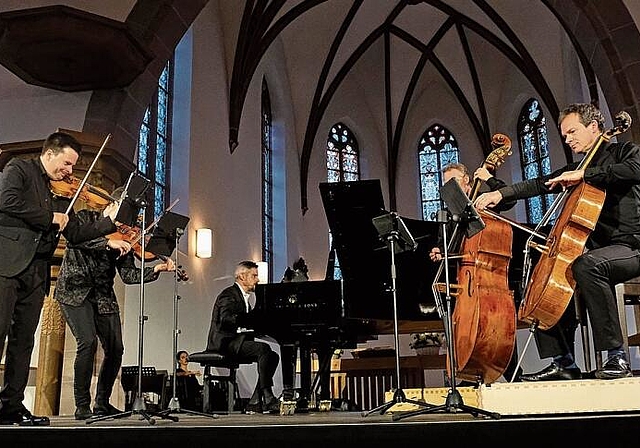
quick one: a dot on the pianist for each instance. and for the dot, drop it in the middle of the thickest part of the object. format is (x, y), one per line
(229, 336)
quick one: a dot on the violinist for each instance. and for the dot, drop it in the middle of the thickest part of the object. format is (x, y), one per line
(31, 219)
(88, 302)
(612, 250)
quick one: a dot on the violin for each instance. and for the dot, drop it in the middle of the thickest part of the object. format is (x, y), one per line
(94, 197)
(133, 236)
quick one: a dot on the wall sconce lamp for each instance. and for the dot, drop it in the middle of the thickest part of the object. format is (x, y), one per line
(204, 240)
(263, 271)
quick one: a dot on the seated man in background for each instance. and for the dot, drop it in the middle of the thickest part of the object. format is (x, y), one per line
(228, 336)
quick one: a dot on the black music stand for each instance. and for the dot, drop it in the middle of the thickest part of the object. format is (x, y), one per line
(152, 381)
(139, 406)
(133, 197)
(461, 212)
(392, 229)
(165, 239)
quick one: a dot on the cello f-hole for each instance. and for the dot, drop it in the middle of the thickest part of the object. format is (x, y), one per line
(470, 291)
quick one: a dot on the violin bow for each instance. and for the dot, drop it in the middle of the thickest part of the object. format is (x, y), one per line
(86, 176)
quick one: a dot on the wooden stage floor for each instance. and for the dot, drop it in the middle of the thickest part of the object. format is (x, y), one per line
(334, 428)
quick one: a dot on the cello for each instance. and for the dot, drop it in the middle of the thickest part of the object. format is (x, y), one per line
(551, 286)
(484, 317)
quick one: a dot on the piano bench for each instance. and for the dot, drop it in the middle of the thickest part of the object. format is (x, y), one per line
(208, 360)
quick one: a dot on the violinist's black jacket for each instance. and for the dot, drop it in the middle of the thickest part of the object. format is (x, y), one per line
(88, 271)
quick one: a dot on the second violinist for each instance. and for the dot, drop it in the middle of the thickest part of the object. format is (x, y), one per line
(89, 304)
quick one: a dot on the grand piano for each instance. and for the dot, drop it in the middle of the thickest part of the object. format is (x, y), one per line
(325, 315)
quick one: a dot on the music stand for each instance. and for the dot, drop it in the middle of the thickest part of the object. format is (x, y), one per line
(139, 406)
(133, 197)
(461, 212)
(163, 242)
(392, 229)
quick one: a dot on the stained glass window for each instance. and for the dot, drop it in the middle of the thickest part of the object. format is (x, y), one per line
(267, 181)
(437, 148)
(154, 144)
(342, 165)
(342, 155)
(534, 155)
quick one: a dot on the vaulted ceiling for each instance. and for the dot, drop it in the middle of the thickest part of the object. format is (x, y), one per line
(395, 50)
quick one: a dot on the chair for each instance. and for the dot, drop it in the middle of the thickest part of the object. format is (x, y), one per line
(208, 359)
(627, 293)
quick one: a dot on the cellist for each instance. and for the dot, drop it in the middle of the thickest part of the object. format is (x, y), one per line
(612, 252)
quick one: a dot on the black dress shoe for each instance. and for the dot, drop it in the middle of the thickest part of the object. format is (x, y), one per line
(102, 409)
(554, 372)
(253, 408)
(615, 367)
(23, 418)
(272, 406)
(83, 412)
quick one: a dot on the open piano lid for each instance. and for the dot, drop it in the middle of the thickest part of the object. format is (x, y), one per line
(365, 260)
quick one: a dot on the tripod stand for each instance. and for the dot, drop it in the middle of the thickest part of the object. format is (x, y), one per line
(393, 230)
(174, 403)
(453, 402)
(139, 406)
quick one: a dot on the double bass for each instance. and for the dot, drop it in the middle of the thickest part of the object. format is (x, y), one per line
(551, 286)
(484, 317)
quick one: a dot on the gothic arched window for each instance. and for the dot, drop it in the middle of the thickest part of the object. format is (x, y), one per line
(154, 144)
(438, 147)
(534, 154)
(342, 165)
(342, 155)
(267, 181)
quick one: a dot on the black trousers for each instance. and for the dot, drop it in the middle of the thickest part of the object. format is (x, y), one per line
(259, 352)
(21, 299)
(596, 272)
(87, 326)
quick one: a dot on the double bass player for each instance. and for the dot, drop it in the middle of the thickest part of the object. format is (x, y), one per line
(487, 182)
(612, 252)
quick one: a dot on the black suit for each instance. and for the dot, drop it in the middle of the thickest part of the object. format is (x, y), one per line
(230, 313)
(27, 242)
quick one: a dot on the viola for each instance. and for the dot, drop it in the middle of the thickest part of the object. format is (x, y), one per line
(94, 197)
(133, 236)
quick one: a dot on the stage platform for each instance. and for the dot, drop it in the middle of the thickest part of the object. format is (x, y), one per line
(545, 397)
(335, 429)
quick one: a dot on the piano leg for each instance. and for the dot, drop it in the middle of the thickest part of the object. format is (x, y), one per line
(288, 355)
(324, 371)
(305, 379)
